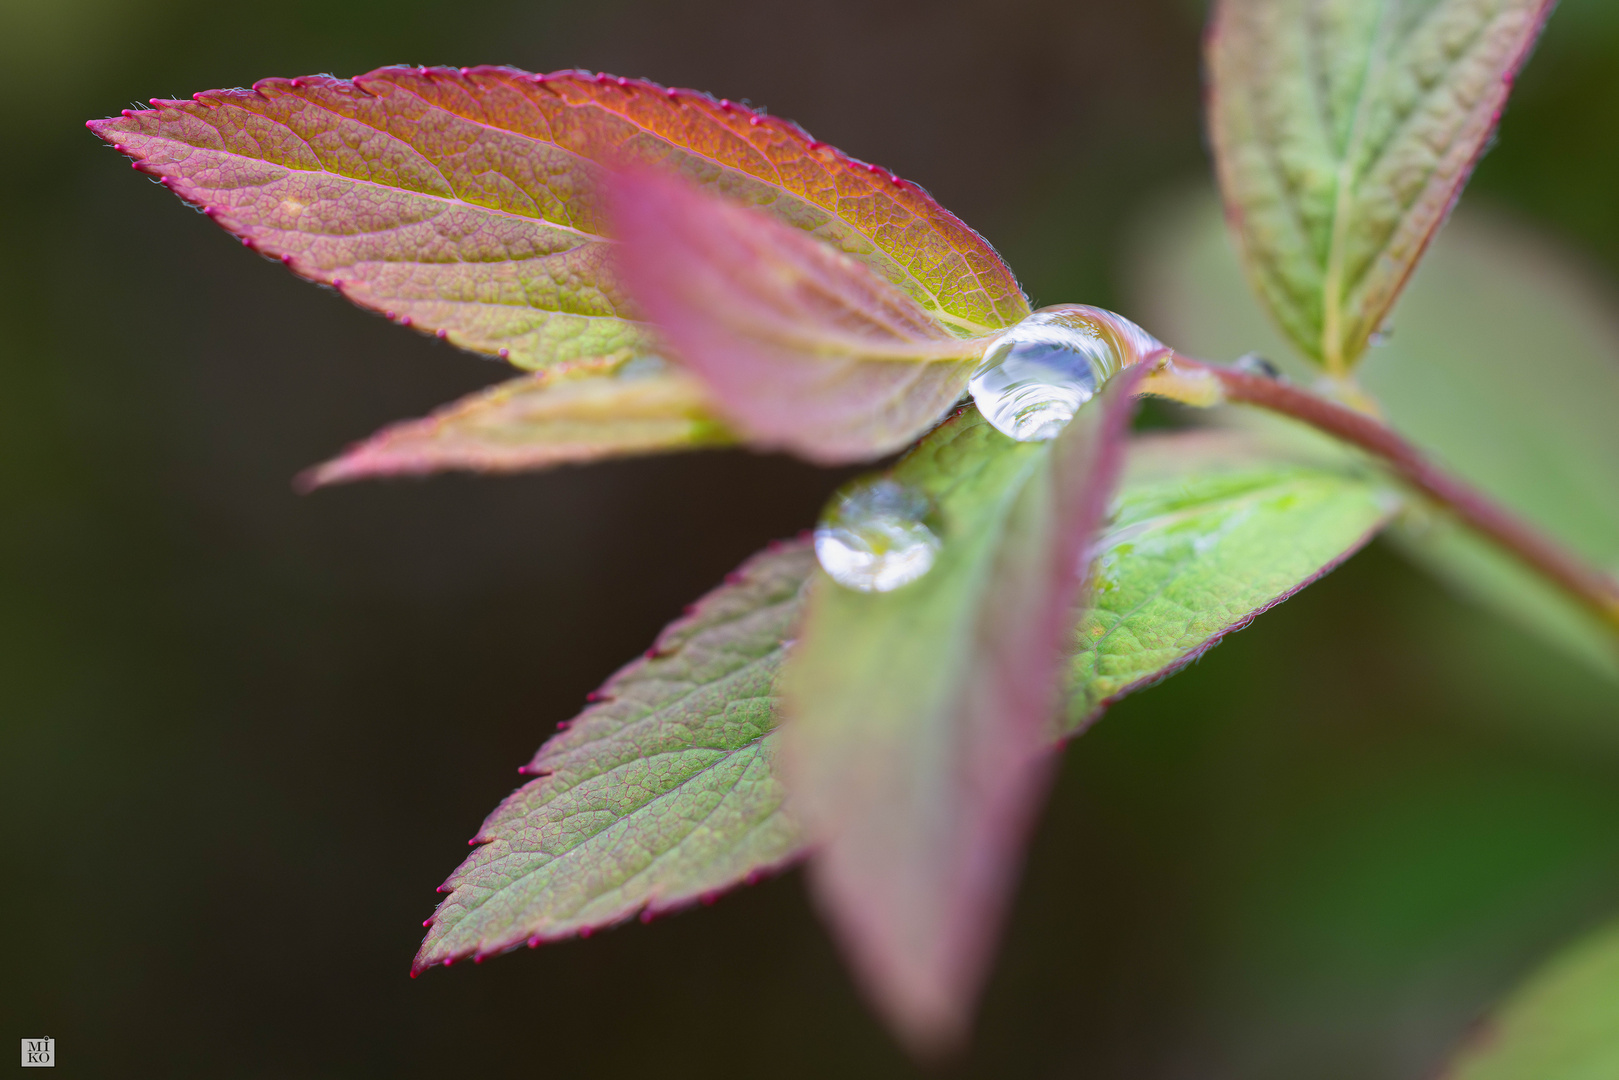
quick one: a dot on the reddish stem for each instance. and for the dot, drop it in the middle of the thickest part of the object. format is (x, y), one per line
(1589, 586)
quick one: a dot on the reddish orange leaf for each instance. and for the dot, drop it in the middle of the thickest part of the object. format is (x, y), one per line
(468, 201)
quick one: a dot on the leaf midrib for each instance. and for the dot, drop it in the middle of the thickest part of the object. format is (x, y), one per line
(1332, 288)
(652, 716)
(552, 859)
(1335, 287)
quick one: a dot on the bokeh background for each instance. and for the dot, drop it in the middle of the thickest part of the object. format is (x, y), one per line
(244, 733)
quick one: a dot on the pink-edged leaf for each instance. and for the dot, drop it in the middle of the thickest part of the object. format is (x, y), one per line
(920, 722)
(1344, 131)
(467, 201)
(656, 796)
(536, 421)
(804, 348)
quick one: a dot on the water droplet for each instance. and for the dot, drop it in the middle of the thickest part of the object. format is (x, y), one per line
(1381, 336)
(873, 538)
(1254, 364)
(1035, 376)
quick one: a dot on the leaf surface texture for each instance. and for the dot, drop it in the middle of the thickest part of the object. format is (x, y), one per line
(1211, 528)
(1343, 132)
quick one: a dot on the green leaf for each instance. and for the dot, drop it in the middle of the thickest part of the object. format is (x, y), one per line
(1503, 364)
(1563, 1025)
(540, 420)
(596, 840)
(1343, 132)
(919, 722)
(658, 794)
(804, 348)
(467, 201)
(1211, 529)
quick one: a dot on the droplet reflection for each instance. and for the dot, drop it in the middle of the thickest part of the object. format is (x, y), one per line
(1034, 377)
(873, 537)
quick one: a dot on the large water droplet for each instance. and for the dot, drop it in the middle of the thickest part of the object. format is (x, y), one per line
(873, 537)
(1035, 376)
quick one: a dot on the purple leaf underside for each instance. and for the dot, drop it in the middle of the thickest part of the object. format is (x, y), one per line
(805, 348)
(919, 731)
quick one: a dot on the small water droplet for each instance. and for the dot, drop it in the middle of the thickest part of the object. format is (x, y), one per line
(874, 539)
(1254, 364)
(1381, 336)
(1035, 376)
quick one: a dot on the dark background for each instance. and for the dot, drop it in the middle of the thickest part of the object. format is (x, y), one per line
(244, 733)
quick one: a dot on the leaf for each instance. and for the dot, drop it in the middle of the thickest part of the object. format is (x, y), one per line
(467, 201)
(697, 716)
(1343, 132)
(1503, 365)
(919, 722)
(540, 420)
(655, 796)
(1563, 1025)
(805, 348)
(1211, 529)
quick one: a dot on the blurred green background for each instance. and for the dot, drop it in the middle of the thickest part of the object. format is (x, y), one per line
(244, 733)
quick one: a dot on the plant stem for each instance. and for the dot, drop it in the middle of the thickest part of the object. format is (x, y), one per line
(1590, 587)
